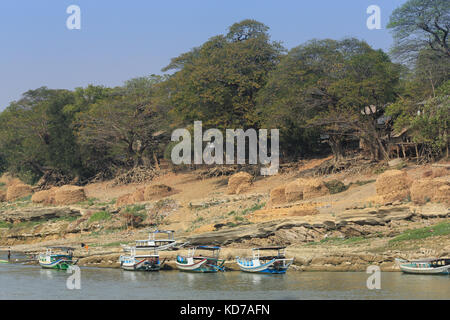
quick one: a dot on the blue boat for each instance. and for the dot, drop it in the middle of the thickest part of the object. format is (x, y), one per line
(195, 262)
(274, 264)
(425, 266)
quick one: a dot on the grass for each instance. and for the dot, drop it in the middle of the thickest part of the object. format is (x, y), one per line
(336, 186)
(4, 224)
(440, 229)
(29, 224)
(337, 241)
(136, 210)
(99, 216)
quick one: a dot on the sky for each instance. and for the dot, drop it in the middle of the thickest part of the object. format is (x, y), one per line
(120, 40)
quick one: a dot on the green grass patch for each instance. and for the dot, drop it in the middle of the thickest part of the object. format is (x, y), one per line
(5, 225)
(99, 216)
(336, 186)
(440, 229)
(337, 241)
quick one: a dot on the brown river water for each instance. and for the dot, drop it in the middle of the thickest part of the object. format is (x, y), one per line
(19, 281)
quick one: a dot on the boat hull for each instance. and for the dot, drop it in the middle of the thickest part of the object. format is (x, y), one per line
(139, 264)
(274, 266)
(200, 266)
(57, 265)
(413, 270)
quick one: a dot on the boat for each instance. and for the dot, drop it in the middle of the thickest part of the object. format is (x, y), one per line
(425, 266)
(195, 262)
(154, 240)
(276, 264)
(141, 259)
(60, 258)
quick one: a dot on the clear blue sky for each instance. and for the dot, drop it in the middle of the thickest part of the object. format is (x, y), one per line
(120, 40)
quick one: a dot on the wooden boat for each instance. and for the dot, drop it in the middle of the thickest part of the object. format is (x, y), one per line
(141, 259)
(425, 266)
(276, 264)
(60, 258)
(195, 262)
(154, 240)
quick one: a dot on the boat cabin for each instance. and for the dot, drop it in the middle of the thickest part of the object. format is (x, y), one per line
(258, 253)
(162, 238)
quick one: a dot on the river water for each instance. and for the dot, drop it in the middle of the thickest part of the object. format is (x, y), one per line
(31, 282)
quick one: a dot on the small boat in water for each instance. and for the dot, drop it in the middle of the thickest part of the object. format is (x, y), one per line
(141, 259)
(195, 262)
(425, 266)
(258, 263)
(60, 258)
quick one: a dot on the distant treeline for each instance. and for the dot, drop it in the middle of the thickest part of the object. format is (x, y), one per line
(323, 92)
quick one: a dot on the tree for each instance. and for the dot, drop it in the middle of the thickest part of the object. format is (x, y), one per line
(126, 124)
(420, 24)
(330, 85)
(217, 83)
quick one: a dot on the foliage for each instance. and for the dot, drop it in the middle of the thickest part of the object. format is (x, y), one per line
(440, 229)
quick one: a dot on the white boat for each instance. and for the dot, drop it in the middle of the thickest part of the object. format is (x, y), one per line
(166, 242)
(60, 258)
(276, 264)
(426, 266)
(195, 262)
(141, 259)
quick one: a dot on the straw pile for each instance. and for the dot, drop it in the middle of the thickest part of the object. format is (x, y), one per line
(294, 190)
(44, 196)
(277, 196)
(156, 191)
(69, 195)
(17, 191)
(393, 185)
(434, 190)
(313, 188)
(239, 183)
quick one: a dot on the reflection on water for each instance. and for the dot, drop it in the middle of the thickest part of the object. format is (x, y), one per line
(32, 282)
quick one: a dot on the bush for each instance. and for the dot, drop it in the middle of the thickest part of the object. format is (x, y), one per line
(100, 216)
(336, 186)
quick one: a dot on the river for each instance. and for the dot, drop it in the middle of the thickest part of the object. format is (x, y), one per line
(31, 282)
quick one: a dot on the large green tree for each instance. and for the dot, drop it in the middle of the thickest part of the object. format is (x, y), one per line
(420, 24)
(217, 82)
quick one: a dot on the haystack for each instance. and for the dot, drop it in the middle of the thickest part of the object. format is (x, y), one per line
(124, 200)
(294, 190)
(277, 196)
(44, 196)
(313, 188)
(9, 180)
(434, 190)
(239, 182)
(393, 185)
(138, 195)
(2, 196)
(17, 191)
(440, 172)
(69, 195)
(156, 191)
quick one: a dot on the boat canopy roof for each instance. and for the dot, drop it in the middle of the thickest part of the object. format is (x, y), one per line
(269, 248)
(207, 247)
(61, 248)
(163, 231)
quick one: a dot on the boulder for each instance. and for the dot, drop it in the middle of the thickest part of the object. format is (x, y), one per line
(69, 195)
(17, 191)
(393, 185)
(239, 182)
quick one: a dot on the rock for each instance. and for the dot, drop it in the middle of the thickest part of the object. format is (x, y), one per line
(69, 195)
(393, 185)
(239, 182)
(36, 214)
(395, 163)
(17, 191)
